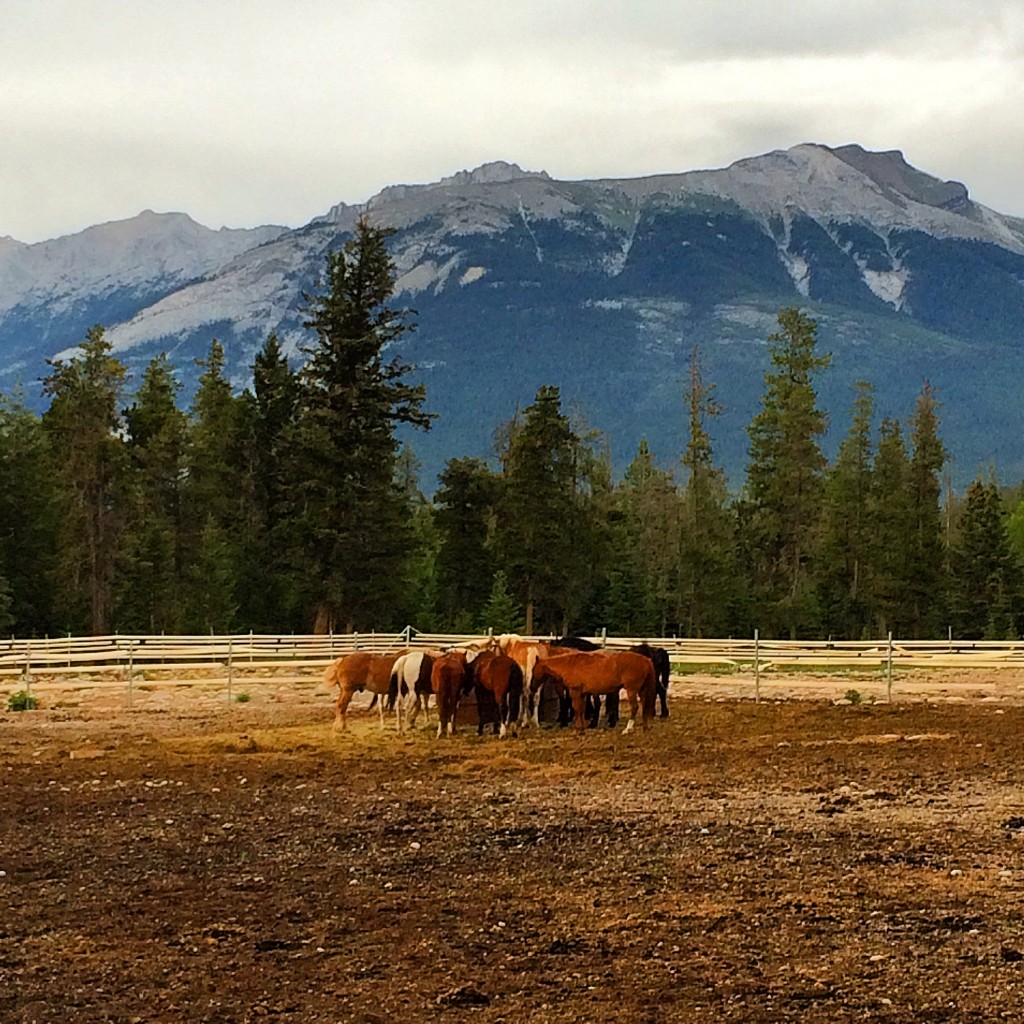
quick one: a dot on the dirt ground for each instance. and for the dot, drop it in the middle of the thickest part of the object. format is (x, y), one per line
(195, 859)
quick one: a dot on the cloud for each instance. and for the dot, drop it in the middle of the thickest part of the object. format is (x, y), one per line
(249, 111)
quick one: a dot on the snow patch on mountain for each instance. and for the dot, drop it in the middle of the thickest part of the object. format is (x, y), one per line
(889, 285)
(472, 274)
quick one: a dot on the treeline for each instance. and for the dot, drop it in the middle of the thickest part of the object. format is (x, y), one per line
(292, 507)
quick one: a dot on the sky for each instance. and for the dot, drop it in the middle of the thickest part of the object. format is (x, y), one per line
(246, 112)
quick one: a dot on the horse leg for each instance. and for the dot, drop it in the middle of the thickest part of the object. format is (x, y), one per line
(634, 704)
(611, 709)
(341, 707)
(579, 706)
(593, 709)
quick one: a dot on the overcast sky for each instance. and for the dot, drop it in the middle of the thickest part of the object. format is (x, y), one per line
(242, 112)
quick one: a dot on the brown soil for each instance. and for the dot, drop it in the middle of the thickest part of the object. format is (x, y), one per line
(195, 859)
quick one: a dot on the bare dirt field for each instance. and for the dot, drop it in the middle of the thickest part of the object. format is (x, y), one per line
(198, 859)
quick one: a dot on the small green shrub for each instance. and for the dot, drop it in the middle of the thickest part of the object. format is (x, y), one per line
(853, 696)
(243, 698)
(21, 701)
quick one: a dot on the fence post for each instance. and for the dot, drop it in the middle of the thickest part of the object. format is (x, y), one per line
(251, 642)
(604, 636)
(757, 666)
(131, 672)
(231, 666)
(28, 668)
(355, 641)
(888, 669)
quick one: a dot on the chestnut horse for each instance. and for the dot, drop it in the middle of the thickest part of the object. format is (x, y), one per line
(450, 678)
(600, 673)
(357, 672)
(498, 682)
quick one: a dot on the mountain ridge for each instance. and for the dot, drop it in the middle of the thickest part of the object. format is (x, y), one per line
(600, 285)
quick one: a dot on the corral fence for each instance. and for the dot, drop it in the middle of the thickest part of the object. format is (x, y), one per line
(125, 661)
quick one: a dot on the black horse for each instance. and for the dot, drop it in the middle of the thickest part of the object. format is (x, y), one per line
(662, 667)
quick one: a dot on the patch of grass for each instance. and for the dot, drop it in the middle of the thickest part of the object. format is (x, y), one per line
(688, 668)
(853, 696)
(243, 698)
(21, 701)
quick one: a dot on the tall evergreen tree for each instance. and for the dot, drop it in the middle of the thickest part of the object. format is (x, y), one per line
(85, 428)
(928, 566)
(464, 514)
(986, 576)
(707, 566)
(28, 519)
(150, 593)
(647, 519)
(270, 589)
(545, 534)
(213, 498)
(891, 515)
(784, 476)
(353, 519)
(843, 554)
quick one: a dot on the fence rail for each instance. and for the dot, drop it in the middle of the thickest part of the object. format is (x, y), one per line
(202, 658)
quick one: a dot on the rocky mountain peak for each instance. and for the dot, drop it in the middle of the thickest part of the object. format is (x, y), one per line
(493, 173)
(890, 170)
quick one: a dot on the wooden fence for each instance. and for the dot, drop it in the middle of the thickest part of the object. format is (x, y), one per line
(121, 660)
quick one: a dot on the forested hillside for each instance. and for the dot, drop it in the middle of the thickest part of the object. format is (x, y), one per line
(292, 506)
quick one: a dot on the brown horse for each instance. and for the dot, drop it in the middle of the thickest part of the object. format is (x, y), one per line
(357, 672)
(450, 678)
(523, 653)
(498, 682)
(599, 673)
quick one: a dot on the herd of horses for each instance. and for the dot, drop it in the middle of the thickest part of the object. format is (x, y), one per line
(510, 677)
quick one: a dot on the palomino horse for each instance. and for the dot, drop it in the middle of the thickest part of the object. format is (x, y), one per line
(498, 682)
(600, 673)
(410, 686)
(450, 678)
(357, 672)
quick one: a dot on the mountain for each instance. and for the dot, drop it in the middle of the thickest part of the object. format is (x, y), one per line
(602, 287)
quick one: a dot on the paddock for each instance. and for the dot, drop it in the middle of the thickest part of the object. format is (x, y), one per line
(195, 858)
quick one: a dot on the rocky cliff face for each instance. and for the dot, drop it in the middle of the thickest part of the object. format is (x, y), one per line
(601, 287)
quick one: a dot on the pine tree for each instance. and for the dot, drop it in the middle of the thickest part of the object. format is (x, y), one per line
(28, 518)
(546, 536)
(707, 575)
(891, 515)
(501, 613)
(928, 576)
(784, 476)
(213, 498)
(843, 554)
(270, 589)
(85, 428)
(353, 519)
(646, 510)
(463, 518)
(150, 585)
(986, 576)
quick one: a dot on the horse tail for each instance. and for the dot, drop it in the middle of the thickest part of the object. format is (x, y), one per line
(331, 676)
(649, 691)
(396, 671)
(515, 692)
